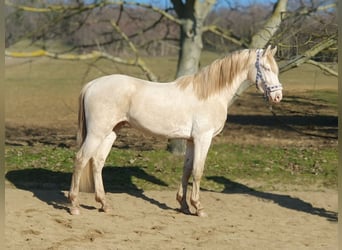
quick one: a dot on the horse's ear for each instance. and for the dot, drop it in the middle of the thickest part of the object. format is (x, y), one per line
(267, 51)
(270, 51)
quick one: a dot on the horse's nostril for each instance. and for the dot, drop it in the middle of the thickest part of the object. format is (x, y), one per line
(278, 97)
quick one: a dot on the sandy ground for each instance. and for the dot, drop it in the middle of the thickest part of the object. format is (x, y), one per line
(38, 219)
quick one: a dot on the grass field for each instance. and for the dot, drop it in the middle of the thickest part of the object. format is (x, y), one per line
(43, 93)
(267, 167)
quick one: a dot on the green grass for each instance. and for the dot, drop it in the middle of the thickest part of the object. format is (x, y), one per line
(327, 96)
(269, 167)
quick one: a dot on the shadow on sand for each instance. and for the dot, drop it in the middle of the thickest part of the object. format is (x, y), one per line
(286, 201)
(47, 185)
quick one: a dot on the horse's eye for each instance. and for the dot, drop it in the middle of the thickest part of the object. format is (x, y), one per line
(266, 67)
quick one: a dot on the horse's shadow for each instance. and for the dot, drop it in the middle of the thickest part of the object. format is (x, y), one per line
(47, 185)
(231, 187)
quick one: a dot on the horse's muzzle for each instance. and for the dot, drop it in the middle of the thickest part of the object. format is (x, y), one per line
(274, 93)
(276, 97)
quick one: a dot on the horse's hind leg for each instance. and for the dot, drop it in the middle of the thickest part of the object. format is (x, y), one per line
(98, 163)
(187, 169)
(82, 158)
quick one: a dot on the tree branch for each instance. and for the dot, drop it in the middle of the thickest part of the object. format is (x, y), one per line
(56, 8)
(307, 55)
(125, 37)
(92, 55)
(84, 7)
(308, 11)
(224, 34)
(139, 62)
(323, 67)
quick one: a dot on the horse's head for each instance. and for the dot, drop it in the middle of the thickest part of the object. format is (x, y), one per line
(265, 74)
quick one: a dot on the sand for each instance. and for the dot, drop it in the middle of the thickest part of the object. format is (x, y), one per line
(38, 219)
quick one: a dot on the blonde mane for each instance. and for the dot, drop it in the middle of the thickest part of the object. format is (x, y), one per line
(218, 75)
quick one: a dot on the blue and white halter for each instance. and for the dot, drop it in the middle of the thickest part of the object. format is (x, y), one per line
(259, 76)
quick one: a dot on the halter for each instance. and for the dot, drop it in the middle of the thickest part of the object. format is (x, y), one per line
(259, 76)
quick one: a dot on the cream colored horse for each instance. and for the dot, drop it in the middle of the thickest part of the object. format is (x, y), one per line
(192, 107)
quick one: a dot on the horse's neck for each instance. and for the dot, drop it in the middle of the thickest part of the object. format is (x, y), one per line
(238, 92)
(239, 82)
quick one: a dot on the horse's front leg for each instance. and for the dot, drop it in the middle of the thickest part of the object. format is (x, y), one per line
(201, 146)
(187, 168)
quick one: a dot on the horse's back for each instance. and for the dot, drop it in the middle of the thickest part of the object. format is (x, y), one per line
(107, 99)
(112, 82)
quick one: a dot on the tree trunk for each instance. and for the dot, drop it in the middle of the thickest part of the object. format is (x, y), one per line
(264, 35)
(192, 15)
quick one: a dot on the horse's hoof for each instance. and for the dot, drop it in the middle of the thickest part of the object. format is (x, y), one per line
(74, 211)
(184, 210)
(202, 214)
(105, 209)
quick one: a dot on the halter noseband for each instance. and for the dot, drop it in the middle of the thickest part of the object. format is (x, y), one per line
(268, 88)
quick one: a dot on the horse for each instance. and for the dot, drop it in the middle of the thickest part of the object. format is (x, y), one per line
(193, 107)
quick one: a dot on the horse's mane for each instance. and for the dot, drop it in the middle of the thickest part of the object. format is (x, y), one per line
(218, 75)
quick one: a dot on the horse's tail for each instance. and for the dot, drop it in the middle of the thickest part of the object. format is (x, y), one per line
(87, 178)
(82, 128)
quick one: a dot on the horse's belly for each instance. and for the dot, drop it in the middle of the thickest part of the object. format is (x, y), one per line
(161, 127)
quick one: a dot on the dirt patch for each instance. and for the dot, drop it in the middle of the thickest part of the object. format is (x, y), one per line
(37, 219)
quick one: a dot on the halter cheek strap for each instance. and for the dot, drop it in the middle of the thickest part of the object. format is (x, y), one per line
(257, 65)
(268, 88)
